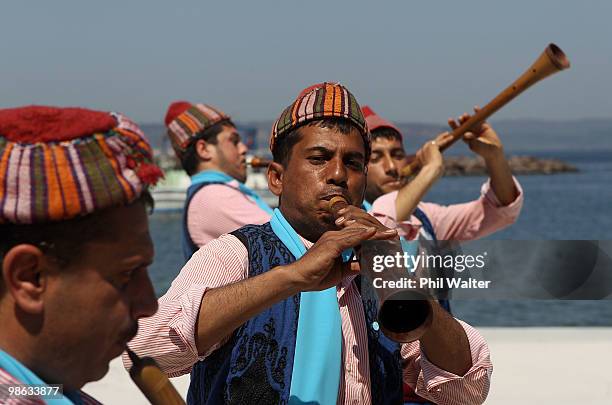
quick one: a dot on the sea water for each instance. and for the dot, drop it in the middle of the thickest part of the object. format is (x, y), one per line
(562, 206)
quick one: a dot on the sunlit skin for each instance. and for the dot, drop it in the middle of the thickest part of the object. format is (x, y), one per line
(67, 322)
(324, 163)
(228, 155)
(388, 158)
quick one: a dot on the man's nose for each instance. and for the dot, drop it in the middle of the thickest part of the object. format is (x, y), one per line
(337, 173)
(389, 165)
(144, 302)
(242, 148)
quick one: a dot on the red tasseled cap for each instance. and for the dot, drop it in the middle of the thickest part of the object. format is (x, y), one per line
(34, 124)
(176, 109)
(375, 121)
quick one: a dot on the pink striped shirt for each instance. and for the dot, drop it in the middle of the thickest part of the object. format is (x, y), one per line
(169, 335)
(467, 221)
(7, 380)
(217, 209)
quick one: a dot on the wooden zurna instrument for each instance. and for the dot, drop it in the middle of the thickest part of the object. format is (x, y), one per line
(153, 383)
(403, 315)
(551, 61)
(257, 162)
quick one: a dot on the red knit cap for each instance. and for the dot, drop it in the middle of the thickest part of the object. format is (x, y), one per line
(48, 124)
(375, 121)
(61, 163)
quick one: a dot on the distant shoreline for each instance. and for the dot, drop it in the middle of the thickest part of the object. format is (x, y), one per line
(520, 165)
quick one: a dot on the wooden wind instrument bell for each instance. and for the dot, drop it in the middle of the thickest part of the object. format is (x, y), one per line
(403, 315)
(551, 61)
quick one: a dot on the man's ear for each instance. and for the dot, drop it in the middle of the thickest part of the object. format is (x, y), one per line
(24, 277)
(275, 178)
(204, 149)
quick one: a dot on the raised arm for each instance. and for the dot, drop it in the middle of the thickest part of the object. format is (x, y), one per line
(484, 141)
(432, 168)
(225, 308)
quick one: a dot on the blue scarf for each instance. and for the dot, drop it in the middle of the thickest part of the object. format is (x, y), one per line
(318, 346)
(213, 176)
(26, 376)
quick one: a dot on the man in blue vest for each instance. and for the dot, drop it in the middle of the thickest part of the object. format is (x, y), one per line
(398, 203)
(271, 313)
(212, 153)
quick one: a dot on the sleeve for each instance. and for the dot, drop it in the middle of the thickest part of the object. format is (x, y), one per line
(383, 209)
(474, 219)
(218, 209)
(443, 387)
(169, 335)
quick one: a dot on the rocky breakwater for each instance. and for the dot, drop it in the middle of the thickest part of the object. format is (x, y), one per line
(475, 166)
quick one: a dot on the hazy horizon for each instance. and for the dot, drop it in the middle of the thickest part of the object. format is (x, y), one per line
(411, 62)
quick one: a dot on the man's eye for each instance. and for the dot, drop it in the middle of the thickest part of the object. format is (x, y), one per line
(123, 280)
(316, 159)
(356, 164)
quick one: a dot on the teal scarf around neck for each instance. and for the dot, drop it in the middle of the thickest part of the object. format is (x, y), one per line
(25, 376)
(214, 176)
(318, 347)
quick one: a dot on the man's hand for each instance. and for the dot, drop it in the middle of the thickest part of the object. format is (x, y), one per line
(321, 266)
(430, 157)
(354, 217)
(482, 140)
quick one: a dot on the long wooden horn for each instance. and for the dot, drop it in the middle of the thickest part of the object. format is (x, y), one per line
(153, 383)
(551, 61)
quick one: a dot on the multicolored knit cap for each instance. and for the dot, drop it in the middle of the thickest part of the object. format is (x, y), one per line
(185, 121)
(323, 100)
(375, 121)
(61, 163)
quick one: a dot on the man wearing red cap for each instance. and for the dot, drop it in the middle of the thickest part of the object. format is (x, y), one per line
(392, 201)
(272, 313)
(395, 203)
(74, 248)
(211, 152)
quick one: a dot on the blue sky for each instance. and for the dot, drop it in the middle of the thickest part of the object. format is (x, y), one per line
(410, 60)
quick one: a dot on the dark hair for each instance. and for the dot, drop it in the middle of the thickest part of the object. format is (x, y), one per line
(62, 239)
(283, 147)
(190, 158)
(386, 132)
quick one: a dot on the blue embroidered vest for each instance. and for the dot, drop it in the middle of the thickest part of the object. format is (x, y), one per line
(188, 245)
(429, 229)
(256, 364)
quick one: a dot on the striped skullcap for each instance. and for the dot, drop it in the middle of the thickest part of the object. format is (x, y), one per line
(323, 100)
(61, 163)
(185, 121)
(375, 121)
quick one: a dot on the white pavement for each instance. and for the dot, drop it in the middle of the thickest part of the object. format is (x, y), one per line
(531, 366)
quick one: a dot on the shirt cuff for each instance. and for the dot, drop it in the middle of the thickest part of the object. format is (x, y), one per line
(487, 192)
(184, 322)
(481, 360)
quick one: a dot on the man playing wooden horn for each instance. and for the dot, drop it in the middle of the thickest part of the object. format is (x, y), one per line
(212, 153)
(392, 201)
(74, 247)
(271, 314)
(399, 204)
